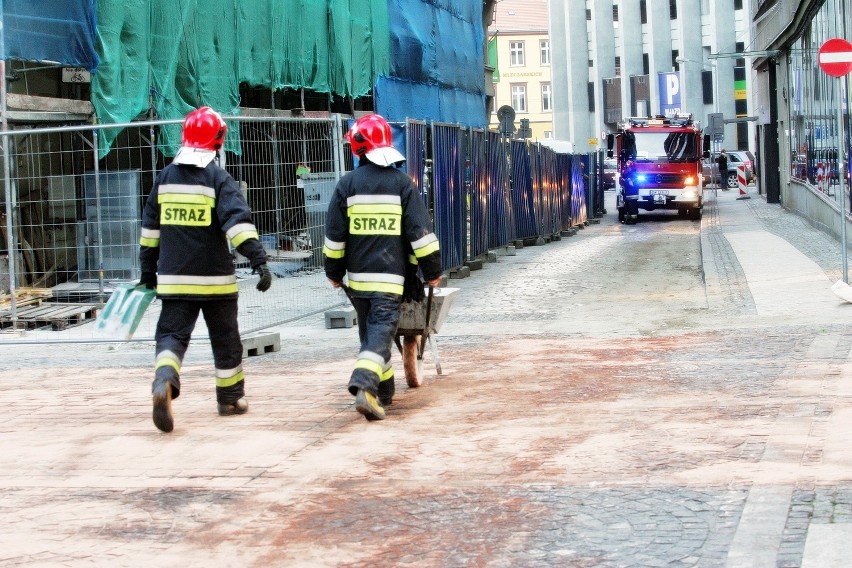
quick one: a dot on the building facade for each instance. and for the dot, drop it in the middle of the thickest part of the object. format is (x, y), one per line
(519, 47)
(618, 58)
(803, 127)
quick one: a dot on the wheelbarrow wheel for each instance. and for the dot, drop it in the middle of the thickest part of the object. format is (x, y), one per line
(412, 364)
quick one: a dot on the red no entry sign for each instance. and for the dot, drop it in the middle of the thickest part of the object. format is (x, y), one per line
(835, 57)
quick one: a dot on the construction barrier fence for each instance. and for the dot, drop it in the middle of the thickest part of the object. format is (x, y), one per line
(73, 220)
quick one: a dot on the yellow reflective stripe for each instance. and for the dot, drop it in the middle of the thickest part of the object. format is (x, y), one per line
(197, 289)
(169, 360)
(427, 250)
(149, 242)
(230, 381)
(186, 198)
(239, 239)
(333, 253)
(369, 365)
(412, 259)
(375, 209)
(385, 287)
(387, 374)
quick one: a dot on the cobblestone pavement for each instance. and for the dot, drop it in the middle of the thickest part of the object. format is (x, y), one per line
(628, 396)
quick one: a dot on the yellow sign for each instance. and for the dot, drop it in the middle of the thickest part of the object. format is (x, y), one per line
(593, 141)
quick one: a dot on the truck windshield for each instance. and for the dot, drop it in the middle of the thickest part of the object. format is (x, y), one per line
(665, 146)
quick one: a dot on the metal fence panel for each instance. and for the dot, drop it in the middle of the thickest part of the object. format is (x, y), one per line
(478, 194)
(449, 197)
(76, 219)
(501, 226)
(523, 200)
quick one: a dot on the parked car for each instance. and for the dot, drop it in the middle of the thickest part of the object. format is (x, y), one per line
(610, 171)
(736, 158)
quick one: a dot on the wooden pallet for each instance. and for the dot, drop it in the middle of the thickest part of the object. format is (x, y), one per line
(24, 297)
(57, 316)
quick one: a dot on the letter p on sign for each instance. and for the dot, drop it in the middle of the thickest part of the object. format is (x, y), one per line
(672, 87)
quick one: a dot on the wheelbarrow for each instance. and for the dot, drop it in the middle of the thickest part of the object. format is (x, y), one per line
(418, 322)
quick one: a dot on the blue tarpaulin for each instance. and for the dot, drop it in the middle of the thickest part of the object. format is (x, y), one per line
(59, 31)
(436, 63)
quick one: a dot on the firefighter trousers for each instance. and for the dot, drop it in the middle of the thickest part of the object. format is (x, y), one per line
(174, 330)
(378, 319)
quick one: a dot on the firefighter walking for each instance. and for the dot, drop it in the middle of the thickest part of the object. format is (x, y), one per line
(377, 231)
(195, 209)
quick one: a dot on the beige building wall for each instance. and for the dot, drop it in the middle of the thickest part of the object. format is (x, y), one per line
(520, 28)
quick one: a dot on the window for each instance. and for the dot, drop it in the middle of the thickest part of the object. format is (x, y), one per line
(673, 9)
(546, 98)
(707, 87)
(675, 64)
(643, 12)
(646, 64)
(548, 134)
(738, 4)
(591, 63)
(588, 15)
(544, 51)
(517, 54)
(519, 98)
(615, 12)
(591, 90)
(618, 66)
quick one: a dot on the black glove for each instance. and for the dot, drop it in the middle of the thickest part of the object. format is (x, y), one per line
(412, 290)
(265, 277)
(149, 280)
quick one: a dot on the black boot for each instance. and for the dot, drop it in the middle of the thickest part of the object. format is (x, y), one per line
(386, 390)
(162, 394)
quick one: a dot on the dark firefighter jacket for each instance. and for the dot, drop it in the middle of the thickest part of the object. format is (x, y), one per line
(375, 218)
(189, 218)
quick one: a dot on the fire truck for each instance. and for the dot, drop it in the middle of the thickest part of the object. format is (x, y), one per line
(659, 165)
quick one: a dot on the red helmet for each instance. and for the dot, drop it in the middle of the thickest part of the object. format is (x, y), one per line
(370, 137)
(204, 128)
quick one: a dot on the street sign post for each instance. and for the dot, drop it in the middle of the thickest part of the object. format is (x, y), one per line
(835, 59)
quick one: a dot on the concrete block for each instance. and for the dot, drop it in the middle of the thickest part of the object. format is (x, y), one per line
(510, 250)
(340, 318)
(474, 264)
(459, 273)
(519, 243)
(490, 256)
(260, 344)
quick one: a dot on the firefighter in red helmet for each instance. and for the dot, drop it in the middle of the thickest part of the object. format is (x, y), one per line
(377, 230)
(194, 212)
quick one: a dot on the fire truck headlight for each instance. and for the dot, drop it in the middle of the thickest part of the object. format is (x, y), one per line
(689, 180)
(689, 194)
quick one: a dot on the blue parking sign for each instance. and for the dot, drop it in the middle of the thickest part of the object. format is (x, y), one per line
(669, 84)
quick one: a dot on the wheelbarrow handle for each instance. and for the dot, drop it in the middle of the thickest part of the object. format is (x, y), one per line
(426, 324)
(348, 293)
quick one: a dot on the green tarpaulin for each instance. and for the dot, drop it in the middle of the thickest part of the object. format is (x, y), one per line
(176, 56)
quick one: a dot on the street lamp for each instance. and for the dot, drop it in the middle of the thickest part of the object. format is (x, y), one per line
(712, 65)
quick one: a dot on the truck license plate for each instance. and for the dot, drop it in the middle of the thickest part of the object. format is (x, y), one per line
(659, 197)
(659, 192)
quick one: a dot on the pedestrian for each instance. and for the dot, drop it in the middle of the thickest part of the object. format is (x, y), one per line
(377, 231)
(722, 161)
(194, 211)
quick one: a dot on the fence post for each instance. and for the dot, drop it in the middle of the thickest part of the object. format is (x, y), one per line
(11, 241)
